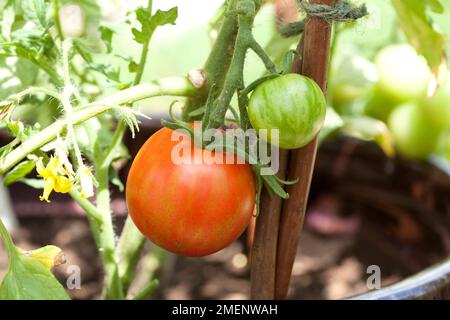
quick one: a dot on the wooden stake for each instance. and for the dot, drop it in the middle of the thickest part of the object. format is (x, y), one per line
(264, 249)
(276, 235)
(315, 57)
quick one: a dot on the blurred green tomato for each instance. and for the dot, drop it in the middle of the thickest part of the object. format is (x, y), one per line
(351, 80)
(403, 75)
(414, 137)
(436, 109)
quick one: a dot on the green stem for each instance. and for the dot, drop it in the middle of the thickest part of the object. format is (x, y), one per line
(115, 143)
(33, 90)
(9, 244)
(68, 91)
(268, 63)
(234, 77)
(147, 291)
(88, 207)
(163, 87)
(112, 288)
(218, 62)
(144, 52)
(129, 250)
(56, 19)
(131, 241)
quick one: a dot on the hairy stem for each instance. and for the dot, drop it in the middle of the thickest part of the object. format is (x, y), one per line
(129, 250)
(112, 287)
(162, 87)
(57, 20)
(218, 62)
(234, 76)
(131, 241)
(66, 95)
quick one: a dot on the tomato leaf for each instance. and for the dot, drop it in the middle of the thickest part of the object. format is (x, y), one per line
(29, 276)
(35, 10)
(19, 171)
(106, 34)
(29, 279)
(418, 27)
(150, 22)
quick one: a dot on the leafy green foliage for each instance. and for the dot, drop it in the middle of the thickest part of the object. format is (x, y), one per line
(35, 10)
(416, 24)
(29, 279)
(19, 171)
(150, 22)
(29, 276)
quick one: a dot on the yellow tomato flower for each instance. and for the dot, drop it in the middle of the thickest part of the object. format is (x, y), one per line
(53, 179)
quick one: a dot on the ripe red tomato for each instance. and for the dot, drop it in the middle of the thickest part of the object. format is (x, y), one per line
(193, 208)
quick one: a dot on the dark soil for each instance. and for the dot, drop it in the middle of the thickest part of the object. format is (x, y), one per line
(364, 210)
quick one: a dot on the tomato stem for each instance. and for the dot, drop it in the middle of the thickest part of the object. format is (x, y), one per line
(234, 80)
(172, 86)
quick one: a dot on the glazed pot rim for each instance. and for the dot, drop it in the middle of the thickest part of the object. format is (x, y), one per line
(425, 284)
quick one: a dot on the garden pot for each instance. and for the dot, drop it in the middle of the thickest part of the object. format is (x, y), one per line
(396, 186)
(399, 213)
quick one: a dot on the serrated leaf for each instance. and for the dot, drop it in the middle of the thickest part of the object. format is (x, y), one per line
(106, 34)
(30, 279)
(19, 171)
(35, 10)
(419, 30)
(149, 23)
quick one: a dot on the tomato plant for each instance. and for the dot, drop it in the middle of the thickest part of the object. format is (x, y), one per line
(73, 72)
(192, 209)
(293, 104)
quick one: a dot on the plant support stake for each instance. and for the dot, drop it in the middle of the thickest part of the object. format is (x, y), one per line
(315, 53)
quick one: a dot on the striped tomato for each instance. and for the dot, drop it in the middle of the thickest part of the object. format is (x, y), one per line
(193, 208)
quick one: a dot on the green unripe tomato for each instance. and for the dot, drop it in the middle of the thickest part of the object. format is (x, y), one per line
(293, 104)
(436, 109)
(403, 75)
(414, 137)
(380, 105)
